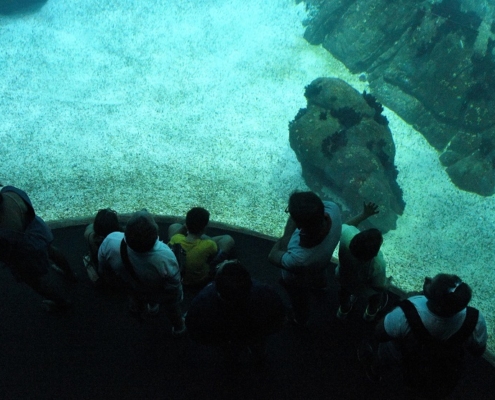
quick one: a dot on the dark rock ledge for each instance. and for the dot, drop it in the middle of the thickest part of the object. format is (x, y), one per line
(432, 62)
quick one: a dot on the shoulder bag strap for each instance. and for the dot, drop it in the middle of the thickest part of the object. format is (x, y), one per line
(127, 263)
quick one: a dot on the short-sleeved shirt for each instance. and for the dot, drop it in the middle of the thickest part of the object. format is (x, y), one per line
(442, 328)
(157, 269)
(198, 253)
(358, 276)
(309, 265)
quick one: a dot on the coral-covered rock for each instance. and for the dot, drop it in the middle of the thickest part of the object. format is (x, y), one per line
(346, 150)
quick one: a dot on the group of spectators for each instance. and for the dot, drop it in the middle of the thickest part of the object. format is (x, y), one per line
(231, 310)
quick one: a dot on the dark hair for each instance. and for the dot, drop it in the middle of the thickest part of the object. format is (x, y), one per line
(196, 220)
(307, 210)
(366, 244)
(447, 294)
(106, 222)
(141, 232)
(233, 282)
(1, 198)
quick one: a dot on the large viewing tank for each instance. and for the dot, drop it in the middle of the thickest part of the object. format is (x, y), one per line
(180, 103)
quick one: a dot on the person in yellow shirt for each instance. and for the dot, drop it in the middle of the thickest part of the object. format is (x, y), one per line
(202, 253)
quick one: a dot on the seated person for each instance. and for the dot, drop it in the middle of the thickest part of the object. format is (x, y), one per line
(361, 270)
(106, 222)
(426, 337)
(26, 249)
(304, 253)
(234, 312)
(146, 266)
(202, 252)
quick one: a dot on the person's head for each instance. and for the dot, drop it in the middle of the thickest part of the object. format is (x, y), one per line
(197, 219)
(233, 282)
(366, 244)
(307, 211)
(106, 222)
(446, 294)
(141, 232)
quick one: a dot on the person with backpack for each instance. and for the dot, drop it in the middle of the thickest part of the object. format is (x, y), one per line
(427, 336)
(147, 269)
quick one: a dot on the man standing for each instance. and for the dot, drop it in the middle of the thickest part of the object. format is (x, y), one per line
(146, 266)
(304, 252)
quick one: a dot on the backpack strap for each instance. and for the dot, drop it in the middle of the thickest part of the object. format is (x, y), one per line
(127, 262)
(414, 320)
(422, 333)
(467, 328)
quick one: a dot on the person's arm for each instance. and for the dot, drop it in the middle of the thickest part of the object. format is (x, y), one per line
(88, 231)
(369, 209)
(280, 246)
(276, 253)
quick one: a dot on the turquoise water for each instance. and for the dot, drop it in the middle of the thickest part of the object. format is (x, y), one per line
(169, 105)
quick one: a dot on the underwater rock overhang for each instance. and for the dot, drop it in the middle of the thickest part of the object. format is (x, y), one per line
(15, 7)
(433, 63)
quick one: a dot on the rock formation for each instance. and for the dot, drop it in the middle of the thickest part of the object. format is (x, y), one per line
(432, 62)
(346, 150)
(12, 7)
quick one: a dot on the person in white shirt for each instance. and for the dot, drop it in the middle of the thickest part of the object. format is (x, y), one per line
(151, 273)
(426, 335)
(304, 252)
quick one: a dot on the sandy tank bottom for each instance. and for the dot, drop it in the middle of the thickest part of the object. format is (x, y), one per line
(169, 105)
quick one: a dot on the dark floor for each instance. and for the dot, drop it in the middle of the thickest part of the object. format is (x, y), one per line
(100, 352)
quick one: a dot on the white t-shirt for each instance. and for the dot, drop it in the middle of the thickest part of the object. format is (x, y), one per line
(396, 325)
(310, 264)
(156, 269)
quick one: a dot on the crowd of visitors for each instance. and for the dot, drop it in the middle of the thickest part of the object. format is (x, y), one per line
(425, 335)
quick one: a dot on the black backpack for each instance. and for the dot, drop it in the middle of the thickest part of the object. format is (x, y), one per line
(432, 367)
